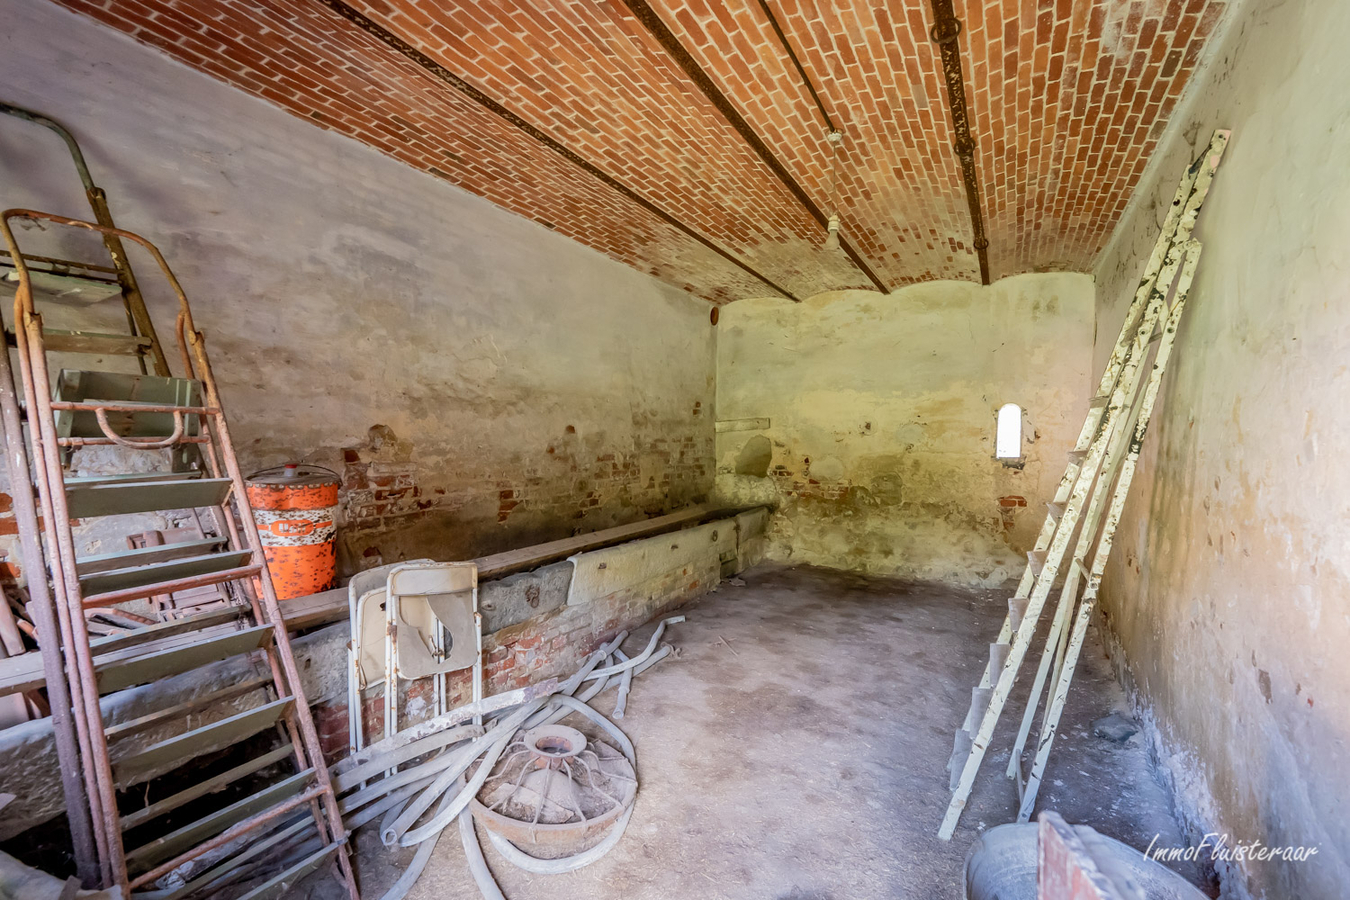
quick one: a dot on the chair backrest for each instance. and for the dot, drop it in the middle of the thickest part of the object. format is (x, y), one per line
(425, 595)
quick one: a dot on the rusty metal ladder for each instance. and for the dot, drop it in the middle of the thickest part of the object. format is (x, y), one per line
(74, 277)
(154, 413)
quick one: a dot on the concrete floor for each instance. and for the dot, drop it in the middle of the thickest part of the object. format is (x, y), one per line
(796, 749)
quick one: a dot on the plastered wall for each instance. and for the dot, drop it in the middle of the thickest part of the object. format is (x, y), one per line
(879, 450)
(478, 381)
(1229, 590)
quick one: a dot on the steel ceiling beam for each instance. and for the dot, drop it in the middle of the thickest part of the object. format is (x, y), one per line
(401, 46)
(644, 13)
(946, 32)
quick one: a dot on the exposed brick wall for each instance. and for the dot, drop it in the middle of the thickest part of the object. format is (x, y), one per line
(1067, 101)
(394, 507)
(553, 644)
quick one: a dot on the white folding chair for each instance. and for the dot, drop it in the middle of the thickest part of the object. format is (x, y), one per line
(426, 605)
(365, 652)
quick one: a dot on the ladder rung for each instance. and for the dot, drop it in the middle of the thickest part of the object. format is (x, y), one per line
(114, 675)
(90, 342)
(150, 574)
(979, 702)
(1081, 567)
(1056, 510)
(174, 843)
(66, 287)
(1017, 609)
(278, 886)
(56, 263)
(998, 657)
(960, 753)
(161, 630)
(183, 710)
(143, 556)
(127, 477)
(1077, 456)
(172, 586)
(175, 751)
(210, 786)
(215, 873)
(1099, 402)
(126, 418)
(120, 498)
(1036, 560)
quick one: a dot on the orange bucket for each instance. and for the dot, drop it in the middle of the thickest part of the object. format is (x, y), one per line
(296, 508)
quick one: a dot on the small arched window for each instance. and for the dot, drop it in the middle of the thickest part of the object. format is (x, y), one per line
(1008, 442)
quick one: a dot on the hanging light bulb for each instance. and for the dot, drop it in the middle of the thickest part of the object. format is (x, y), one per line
(832, 233)
(832, 227)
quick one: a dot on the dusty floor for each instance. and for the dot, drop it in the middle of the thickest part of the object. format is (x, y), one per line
(796, 749)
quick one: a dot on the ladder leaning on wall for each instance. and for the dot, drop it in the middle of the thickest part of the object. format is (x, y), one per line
(182, 415)
(237, 837)
(1088, 503)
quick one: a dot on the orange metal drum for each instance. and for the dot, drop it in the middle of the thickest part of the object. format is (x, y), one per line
(296, 507)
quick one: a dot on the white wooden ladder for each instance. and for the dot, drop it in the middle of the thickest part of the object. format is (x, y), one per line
(1087, 504)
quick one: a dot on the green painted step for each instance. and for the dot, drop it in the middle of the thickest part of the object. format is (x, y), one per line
(186, 709)
(210, 786)
(170, 845)
(143, 556)
(278, 886)
(77, 386)
(175, 751)
(67, 288)
(229, 866)
(122, 643)
(117, 674)
(126, 477)
(115, 498)
(155, 573)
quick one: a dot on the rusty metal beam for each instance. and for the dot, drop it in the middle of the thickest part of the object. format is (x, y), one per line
(399, 45)
(946, 32)
(643, 12)
(797, 64)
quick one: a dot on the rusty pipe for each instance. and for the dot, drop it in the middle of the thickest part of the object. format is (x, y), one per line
(32, 357)
(58, 692)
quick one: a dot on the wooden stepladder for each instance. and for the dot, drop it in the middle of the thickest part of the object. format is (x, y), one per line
(1087, 506)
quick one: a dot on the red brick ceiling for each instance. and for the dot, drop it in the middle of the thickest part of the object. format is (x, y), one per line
(1066, 101)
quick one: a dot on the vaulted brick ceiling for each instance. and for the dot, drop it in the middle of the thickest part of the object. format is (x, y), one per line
(576, 114)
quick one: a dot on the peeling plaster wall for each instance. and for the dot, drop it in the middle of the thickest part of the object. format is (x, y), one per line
(479, 381)
(1229, 589)
(879, 450)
